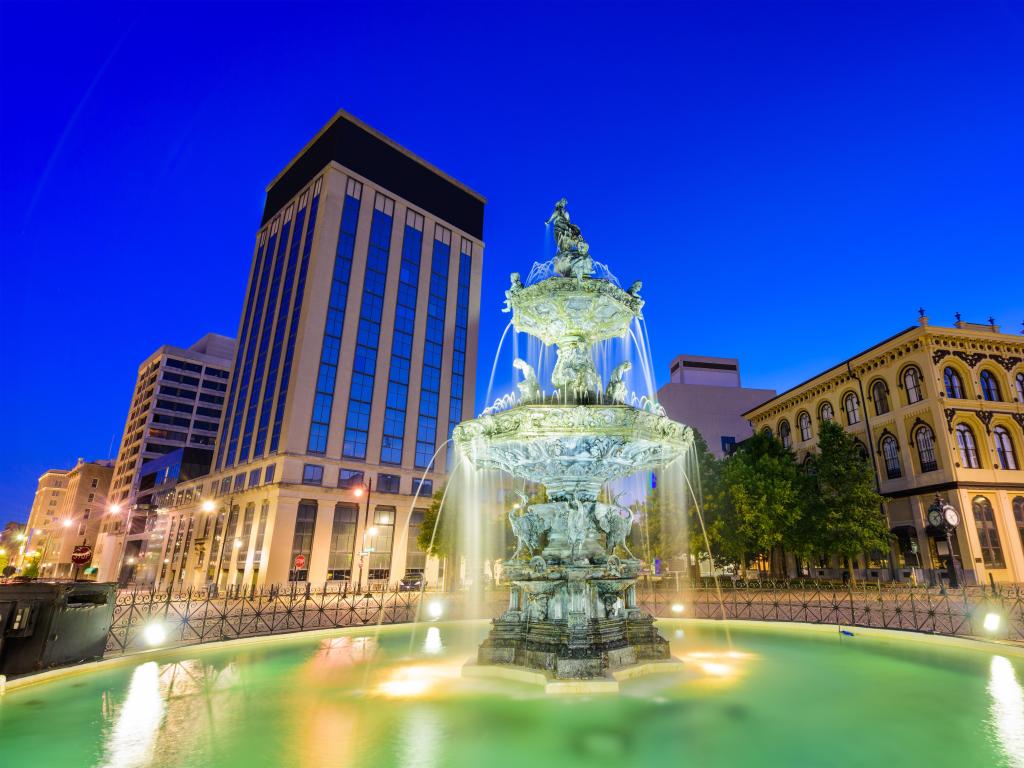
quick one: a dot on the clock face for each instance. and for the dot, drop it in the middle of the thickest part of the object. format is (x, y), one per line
(951, 516)
(935, 517)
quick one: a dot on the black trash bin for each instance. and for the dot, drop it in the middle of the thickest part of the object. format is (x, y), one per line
(45, 624)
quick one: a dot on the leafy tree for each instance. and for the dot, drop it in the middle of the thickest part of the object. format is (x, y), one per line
(844, 510)
(433, 539)
(755, 502)
(30, 570)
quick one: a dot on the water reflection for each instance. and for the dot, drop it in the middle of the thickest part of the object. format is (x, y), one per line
(1007, 709)
(137, 726)
(432, 642)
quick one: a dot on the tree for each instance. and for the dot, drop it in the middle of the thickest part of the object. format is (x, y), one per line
(433, 539)
(844, 510)
(30, 569)
(755, 502)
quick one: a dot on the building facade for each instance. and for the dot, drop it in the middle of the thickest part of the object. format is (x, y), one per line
(83, 501)
(356, 358)
(705, 393)
(938, 411)
(178, 402)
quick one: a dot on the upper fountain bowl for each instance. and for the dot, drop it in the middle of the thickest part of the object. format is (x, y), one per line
(572, 447)
(561, 309)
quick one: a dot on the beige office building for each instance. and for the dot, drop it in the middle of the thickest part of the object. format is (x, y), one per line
(705, 393)
(56, 529)
(356, 358)
(937, 411)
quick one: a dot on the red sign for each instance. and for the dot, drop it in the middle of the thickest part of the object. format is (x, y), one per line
(300, 562)
(81, 554)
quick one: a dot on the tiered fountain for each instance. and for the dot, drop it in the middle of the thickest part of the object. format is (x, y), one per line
(572, 612)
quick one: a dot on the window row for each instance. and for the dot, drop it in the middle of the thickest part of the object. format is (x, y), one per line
(356, 479)
(988, 530)
(988, 384)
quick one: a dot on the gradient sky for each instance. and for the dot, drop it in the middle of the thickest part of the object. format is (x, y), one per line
(790, 180)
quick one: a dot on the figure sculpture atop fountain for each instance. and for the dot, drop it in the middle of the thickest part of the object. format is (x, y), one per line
(573, 256)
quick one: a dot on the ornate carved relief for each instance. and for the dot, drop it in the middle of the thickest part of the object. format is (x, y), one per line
(972, 359)
(949, 414)
(1007, 362)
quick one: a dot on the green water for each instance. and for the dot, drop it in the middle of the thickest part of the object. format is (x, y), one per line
(774, 697)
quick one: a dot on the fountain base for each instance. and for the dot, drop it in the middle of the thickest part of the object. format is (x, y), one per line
(576, 648)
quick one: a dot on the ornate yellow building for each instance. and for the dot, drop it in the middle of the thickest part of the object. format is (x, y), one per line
(938, 411)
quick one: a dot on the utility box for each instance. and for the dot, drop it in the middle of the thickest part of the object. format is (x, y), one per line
(53, 624)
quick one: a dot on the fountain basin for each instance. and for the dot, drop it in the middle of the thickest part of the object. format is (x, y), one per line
(562, 308)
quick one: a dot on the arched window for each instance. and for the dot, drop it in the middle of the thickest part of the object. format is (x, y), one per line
(989, 386)
(1019, 380)
(804, 420)
(767, 431)
(912, 383)
(862, 450)
(826, 412)
(880, 397)
(784, 435)
(954, 386)
(968, 447)
(988, 533)
(1004, 448)
(852, 406)
(924, 438)
(891, 453)
(1018, 516)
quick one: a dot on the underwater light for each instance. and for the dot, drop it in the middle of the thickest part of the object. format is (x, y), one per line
(677, 607)
(435, 609)
(992, 622)
(154, 634)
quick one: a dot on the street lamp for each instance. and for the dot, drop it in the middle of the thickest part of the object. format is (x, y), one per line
(208, 505)
(944, 516)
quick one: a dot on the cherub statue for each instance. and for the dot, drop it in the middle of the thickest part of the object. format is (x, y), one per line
(616, 522)
(573, 257)
(634, 289)
(529, 388)
(517, 285)
(616, 390)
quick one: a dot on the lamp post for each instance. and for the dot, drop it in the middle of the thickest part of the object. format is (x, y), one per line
(365, 489)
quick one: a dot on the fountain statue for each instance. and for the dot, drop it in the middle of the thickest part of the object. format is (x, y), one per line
(572, 610)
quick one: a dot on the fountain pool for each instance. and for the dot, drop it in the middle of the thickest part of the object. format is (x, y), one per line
(767, 695)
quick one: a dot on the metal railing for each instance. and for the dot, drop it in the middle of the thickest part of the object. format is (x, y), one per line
(198, 616)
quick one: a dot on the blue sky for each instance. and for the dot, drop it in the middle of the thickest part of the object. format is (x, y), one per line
(790, 180)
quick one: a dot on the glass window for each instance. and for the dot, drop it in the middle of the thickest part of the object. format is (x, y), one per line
(827, 414)
(268, 473)
(988, 533)
(225, 485)
(989, 386)
(912, 383)
(323, 400)
(891, 452)
(1019, 379)
(784, 435)
(954, 385)
(425, 488)
(1018, 516)
(357, 423)
(852, 406)
(343, 542)
(380, 538)
(805, 426)
(967, 446)
(925, 440)
(261, 532)
(415, 558)
(455, 400)
(350, 478)
(880, 396)
(302, 540)
(254, 478)
(433, 348)
(1004, 448)
(312, 474)
(240, 481)
(389, 483)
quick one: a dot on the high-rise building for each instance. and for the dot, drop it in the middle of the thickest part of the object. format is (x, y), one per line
(178, 401)
(935, 411)
(46, 505)
(705, 393)
(356, 358)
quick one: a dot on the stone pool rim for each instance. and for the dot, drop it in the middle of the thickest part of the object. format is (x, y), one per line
(977, 644)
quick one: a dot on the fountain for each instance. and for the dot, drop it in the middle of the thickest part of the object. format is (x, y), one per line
(572, 611)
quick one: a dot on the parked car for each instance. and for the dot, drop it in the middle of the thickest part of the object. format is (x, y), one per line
(412, 582)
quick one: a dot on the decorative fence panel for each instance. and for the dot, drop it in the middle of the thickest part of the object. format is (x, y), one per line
(200, 617)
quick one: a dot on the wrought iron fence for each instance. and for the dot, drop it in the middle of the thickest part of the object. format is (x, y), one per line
(955, 612)
(199, 616)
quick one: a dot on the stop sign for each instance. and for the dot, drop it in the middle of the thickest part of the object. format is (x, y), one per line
(300, 562)
(81, 554)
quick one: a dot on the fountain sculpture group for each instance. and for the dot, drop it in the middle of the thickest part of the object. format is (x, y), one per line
(572, 609)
